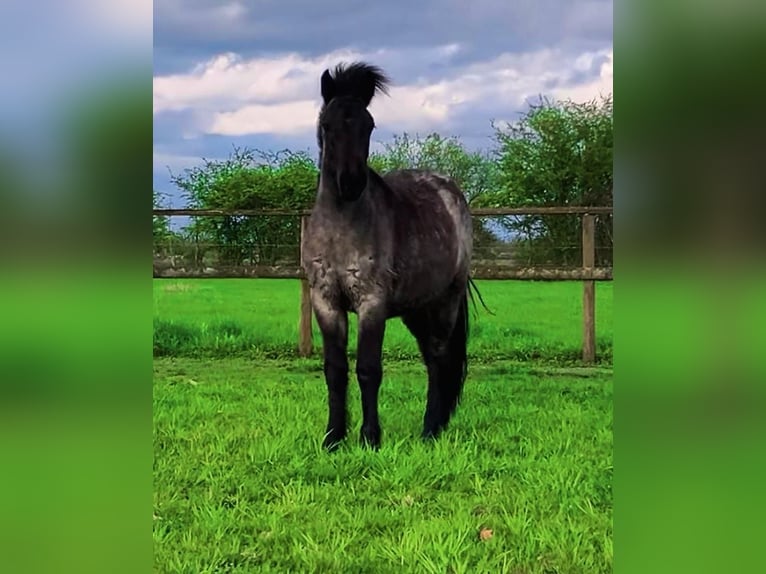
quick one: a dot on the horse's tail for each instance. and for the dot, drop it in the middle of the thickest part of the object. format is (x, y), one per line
(452, 384)
(472, 288)
(452, 387)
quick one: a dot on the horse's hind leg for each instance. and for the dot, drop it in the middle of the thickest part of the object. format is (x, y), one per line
(439, 332)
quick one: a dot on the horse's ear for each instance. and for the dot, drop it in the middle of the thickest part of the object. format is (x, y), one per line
(328, 87)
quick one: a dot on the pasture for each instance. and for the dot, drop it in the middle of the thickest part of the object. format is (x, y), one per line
(520, 482)
(258, 318)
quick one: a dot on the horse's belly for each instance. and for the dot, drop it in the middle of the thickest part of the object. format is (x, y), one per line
(426, 281)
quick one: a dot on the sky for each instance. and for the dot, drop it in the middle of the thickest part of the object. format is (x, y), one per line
(246, 74)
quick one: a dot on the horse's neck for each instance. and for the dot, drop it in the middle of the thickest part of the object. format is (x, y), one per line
(354, 211)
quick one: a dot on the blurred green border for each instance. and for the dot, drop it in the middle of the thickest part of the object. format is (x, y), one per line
(690, 293)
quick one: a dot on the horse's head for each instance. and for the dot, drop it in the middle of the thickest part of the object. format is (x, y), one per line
(345, 126)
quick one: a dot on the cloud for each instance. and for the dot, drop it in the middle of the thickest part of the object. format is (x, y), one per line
(602, 85)
(196, 28)
(233, 96)
(289, 118)
(226, 81)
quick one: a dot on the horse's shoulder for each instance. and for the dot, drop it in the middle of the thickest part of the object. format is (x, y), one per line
(420, 178)
(421, 186)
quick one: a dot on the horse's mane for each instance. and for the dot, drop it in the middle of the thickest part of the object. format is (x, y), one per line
(358, 80)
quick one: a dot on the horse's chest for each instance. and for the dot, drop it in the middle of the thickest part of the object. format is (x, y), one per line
(348, 274)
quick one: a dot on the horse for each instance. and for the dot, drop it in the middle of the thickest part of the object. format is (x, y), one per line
(383, 246)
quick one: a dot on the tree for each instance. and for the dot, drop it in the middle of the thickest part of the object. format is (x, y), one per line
(160, 225)
(165, 240)
(472, 171)
(254, 179)
(557, 154)
(250, 179)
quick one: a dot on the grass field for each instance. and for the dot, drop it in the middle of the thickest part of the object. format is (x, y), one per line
(259, 318)
(520, 482)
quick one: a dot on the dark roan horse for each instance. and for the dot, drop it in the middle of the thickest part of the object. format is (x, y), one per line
(397, 245)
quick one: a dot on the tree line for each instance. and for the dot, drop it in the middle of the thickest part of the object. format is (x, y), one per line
(557, 153)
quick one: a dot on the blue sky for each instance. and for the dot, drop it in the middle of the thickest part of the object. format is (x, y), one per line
(247, 73)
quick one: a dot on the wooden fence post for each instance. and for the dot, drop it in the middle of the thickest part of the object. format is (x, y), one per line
(305, 342)
(589, 289)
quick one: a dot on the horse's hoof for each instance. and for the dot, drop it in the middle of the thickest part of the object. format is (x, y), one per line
(332, 441)
(431, 434)
(370, 438)
(331, 445)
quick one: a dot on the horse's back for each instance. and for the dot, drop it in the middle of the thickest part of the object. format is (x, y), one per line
(421, 183)
(433, 226)
(429, 195)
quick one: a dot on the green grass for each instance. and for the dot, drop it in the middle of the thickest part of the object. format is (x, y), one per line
(258, 318)
(242, 484)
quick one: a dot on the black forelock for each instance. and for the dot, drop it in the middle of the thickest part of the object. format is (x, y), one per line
(359, 80)
(356, 80)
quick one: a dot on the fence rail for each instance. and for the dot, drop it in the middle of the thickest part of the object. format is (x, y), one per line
(478, 212)
(588, 273)
(294, 272)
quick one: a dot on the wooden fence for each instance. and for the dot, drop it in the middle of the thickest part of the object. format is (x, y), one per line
(588, 273)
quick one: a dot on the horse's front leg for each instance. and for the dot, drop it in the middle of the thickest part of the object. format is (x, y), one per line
(333, 323)
(369, 372)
